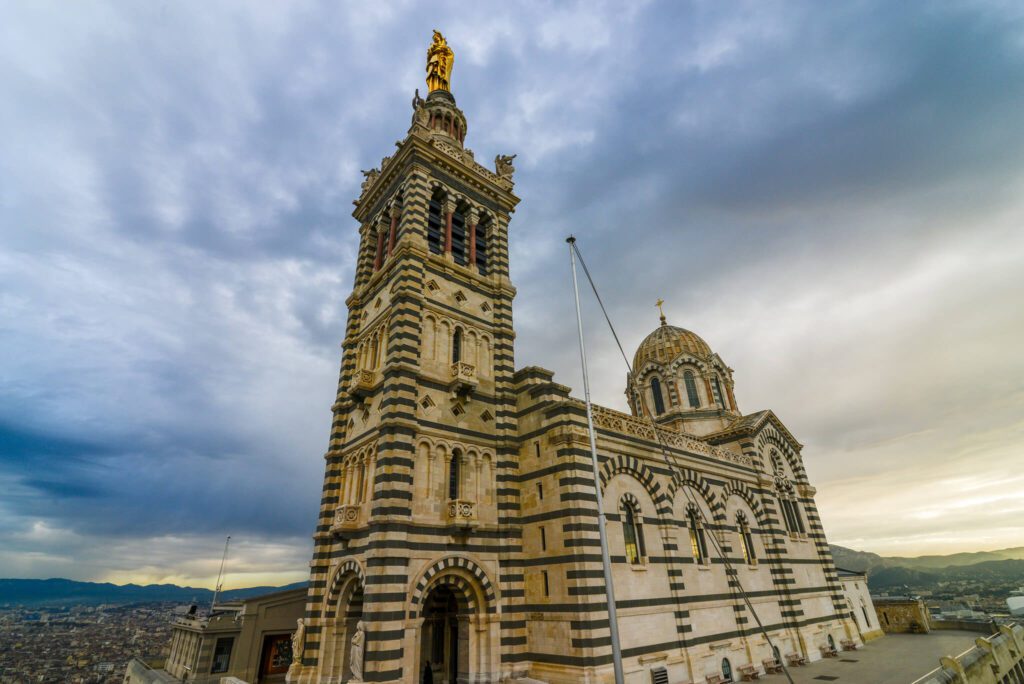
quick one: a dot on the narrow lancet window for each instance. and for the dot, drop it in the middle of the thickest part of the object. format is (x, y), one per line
(746, 541)
(481, 247)
(457, 346)
(633, 535)
(691, 389)
(453, 475)
(459, 243)
(659, 400)
(435, 224)
(697, 543)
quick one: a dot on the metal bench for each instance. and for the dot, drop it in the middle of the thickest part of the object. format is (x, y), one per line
(749, 672)
(795, 659)
(848, 644)
(771, 665)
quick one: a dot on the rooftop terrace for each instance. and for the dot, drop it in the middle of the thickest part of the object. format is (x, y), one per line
(892, 659)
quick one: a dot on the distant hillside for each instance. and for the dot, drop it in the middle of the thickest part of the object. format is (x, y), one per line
(895, 571)
(55, 592)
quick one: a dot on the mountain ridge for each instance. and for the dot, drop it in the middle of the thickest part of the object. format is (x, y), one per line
(1002, 565)
(59, 591)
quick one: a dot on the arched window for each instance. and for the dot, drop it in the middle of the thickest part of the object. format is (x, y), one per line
(481, 245)
(435, 223)
(716, 389)
(791, 512)
(691, 389)
(457, 346)
(726, 670)
(633, 534)
(697, 543)
(867, 620)
(777, 654)
(453, 474)
(361, 482)
(459, 244)
(746, 540)
(659, 400)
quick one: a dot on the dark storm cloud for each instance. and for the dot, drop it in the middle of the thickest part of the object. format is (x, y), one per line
(824, 192)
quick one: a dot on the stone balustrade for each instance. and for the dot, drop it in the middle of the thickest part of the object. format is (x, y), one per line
(463, 377)
(362, 383)
(616, 421)
(461, 512)
(346, 517)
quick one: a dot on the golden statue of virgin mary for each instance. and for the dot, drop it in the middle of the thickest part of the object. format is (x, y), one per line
(439, 64)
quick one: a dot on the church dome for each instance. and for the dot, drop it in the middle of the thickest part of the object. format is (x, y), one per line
(666, 343)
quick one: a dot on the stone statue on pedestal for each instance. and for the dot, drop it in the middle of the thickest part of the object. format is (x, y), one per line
(355, 655)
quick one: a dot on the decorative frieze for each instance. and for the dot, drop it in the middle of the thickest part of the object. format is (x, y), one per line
(616, 421)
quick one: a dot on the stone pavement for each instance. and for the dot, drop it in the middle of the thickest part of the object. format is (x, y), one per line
(893, 659)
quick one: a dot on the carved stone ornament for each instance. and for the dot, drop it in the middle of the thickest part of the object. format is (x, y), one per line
(369, 177)
(503, 165)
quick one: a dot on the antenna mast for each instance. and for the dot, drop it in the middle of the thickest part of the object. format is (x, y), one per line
(613, 622)
(220, 574)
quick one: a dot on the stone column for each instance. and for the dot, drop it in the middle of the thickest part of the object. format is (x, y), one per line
(449, 210)
(471, 219)
(380, 250)
(396, 211)
(732, 397)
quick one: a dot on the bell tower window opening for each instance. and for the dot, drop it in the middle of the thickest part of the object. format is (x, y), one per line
(459, 236)
(698, 545)
(659, 399)
(480, 235)
(691, 389)
(453, 475)
(457, 346)
(435, 223)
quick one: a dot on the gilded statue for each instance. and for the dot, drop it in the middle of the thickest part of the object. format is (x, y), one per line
(439, 64)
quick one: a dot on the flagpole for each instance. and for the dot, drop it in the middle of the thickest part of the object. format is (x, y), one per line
(613, 622)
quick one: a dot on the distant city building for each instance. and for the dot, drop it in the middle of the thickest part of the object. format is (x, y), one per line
(249, 639)
(902, 614)
(1015, 604)
(859, 603)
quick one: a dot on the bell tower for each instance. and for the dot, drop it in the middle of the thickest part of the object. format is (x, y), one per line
(415, 525)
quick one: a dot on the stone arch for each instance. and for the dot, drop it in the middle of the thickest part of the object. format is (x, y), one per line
(689, 477)
(342, 574)
(628, 500)
(743, 492)
(768, 437)
(468, 581)
(634, 467)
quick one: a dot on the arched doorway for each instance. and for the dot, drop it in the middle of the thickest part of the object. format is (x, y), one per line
(345, 610)
(444, 640)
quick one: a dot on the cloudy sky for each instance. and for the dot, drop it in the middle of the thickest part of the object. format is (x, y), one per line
(831, 194)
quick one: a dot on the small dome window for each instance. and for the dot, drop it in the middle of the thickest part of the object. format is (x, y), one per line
(659, 399)
(691, 389)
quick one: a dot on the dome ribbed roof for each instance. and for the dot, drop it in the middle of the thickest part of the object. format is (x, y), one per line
(666, 343)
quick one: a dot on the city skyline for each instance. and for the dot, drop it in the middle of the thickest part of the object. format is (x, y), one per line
(829, 197)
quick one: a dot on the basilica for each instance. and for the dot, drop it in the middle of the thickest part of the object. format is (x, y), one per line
(458, 539)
